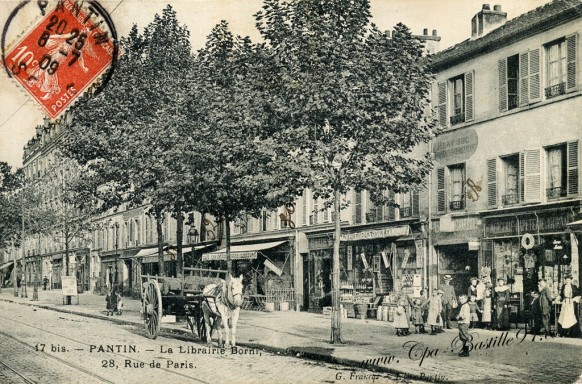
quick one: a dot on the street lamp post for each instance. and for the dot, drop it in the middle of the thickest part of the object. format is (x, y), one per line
(115, 226)
(192, 236)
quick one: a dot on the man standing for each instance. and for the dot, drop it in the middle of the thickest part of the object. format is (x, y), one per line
(545, 304)
(449, 297)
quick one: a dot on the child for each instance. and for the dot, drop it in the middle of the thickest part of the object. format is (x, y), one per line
(417, 316)
(474, 309)
(535, 313)
(464, 319)
(400, 320)
(119, 303)
(486, 310)
(423, 300)
(435, 306)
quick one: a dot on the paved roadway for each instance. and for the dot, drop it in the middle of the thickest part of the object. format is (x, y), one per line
(44, 346)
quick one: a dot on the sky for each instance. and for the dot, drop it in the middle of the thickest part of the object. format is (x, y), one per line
(19, 114)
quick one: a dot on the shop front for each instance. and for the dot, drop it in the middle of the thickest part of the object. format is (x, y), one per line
(267, 268)
(457, 246)
(374, 261)
(528, 246)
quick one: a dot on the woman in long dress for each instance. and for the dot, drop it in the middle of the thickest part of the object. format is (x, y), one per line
(569, 297)
(435, 306)
(501, 305)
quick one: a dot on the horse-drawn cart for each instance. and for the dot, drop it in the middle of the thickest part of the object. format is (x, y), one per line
(181, 297)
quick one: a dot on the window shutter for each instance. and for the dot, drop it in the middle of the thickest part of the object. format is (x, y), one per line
(441, 203)
(469, 96)
(390, 208)
(442, 103)
(524, 78)
(571, 54)
(492, 183)
(502, 85)
(532, 175)
(535, 93)
(573, 168)
(415, 203)
(521, 178)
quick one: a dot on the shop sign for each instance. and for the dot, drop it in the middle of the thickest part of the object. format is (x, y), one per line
(457, 146)
(322, 242)
(515, 225)
(273, 268)
(69, 284)
(402, 230)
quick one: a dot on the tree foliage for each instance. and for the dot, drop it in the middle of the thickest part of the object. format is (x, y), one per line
(10, 212)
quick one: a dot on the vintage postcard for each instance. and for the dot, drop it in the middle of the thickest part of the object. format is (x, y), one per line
(290, 191)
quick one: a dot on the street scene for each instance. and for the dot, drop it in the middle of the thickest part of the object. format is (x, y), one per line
(290, 191)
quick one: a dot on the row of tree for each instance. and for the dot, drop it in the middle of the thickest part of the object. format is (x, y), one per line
(324, 101)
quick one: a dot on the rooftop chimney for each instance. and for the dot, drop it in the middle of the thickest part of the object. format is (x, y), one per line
(487, 20)
(431, 43)
(425, 31)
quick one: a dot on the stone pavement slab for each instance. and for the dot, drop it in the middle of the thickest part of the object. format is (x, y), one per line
(512, 356)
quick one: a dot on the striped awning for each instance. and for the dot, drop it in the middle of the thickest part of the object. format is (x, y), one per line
(241, 252)
(6, 265)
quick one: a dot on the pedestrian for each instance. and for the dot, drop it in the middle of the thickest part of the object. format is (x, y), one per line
(435, 307)
(111, 301)
(474, 309)
(423, 299)
(545, 305)
(44, 283)
(501, 305)
(400, 319)
(570, 299)
(119, 303)
(416, 316)
(486, 310)
(472, 287)
(449, 300)
(464, 319)
(535, 312)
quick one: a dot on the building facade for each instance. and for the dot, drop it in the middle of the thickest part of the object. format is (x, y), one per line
(506, 182)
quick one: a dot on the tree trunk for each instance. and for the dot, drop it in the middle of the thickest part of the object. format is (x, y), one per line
(179, 239)
(228, 260)
(336, 334)
(159, 221)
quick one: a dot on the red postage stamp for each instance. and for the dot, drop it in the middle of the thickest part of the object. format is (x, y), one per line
(61, 56)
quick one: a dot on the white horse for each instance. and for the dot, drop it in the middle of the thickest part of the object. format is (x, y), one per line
(221, 304)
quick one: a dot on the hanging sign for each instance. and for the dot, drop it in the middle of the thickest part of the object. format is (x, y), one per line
(527, 241)
(385, 258)
(406, 257)
(350, 259)
(364, 260)
(273, 268)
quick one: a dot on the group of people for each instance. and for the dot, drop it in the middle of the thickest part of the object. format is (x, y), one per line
(113, 302)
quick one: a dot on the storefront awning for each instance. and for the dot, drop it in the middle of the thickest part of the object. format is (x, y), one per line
(241, 252)
(6, 265)
(575, 224)
(150, 255)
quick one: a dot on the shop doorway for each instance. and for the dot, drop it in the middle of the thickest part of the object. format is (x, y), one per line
(456, 260)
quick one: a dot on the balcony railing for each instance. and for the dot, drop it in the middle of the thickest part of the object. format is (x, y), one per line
(371, 217)
(405, 212)
(457, 119)
(555, 193)
(457, 205)
(510, 199)
(555, 90)
(513, 102)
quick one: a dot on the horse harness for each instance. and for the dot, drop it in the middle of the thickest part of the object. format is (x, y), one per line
(222, 293)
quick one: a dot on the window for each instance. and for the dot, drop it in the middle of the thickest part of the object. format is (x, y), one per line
(455, 99)
(511, 184)
(557, 173)
(457, 190)
(561, 66)
(519, 80)
(304, 208)
(314, 213)
(264, 221)
(406, 204)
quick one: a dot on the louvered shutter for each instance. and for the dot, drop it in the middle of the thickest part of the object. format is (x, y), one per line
(532, 175)
(521, 178)
(573, 176)
(524, 78)
(469, 96)
(441, 203)
(571, 54)
(535, 93)
(502, 66)
(442, 104)
(492, 183)
(391, 210)
(415, 203)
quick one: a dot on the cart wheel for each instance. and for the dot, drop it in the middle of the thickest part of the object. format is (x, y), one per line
(152, 309)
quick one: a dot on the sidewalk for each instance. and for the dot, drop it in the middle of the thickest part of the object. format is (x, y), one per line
(497, 356)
